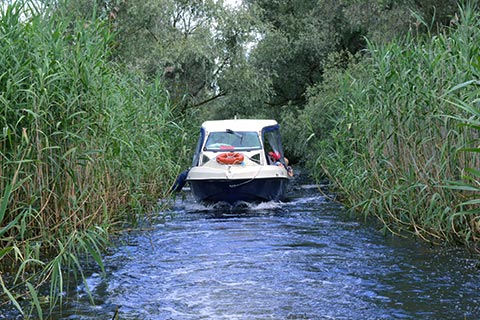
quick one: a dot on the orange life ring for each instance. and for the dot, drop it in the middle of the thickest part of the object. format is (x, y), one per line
(230, 158)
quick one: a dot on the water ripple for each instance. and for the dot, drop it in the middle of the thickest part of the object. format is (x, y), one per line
(301, 259)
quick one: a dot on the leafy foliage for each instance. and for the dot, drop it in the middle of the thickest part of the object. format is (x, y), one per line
(301, 35)
(195, 46)
(391, 142)
(82, 144)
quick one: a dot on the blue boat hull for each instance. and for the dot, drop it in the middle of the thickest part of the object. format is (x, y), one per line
(232, 191)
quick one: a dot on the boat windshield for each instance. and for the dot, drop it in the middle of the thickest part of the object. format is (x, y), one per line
(232, 140)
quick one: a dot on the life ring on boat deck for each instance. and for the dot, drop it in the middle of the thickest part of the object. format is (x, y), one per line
(230, 158)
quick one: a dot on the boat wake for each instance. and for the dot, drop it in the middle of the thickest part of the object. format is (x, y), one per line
(302, 194)
(237, 208)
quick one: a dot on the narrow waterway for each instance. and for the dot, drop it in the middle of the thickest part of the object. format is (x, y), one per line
(302, 259)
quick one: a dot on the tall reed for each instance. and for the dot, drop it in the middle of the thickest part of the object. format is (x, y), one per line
(393, 143)
(84, 144)
(469, 209)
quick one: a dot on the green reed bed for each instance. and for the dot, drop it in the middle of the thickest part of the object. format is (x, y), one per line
(83, 146)
(395, 142)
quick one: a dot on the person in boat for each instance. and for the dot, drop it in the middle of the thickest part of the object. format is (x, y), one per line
(275, 160)
(289, 168)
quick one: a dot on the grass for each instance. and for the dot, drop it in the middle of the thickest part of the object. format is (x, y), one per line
(393, 138)
(469, 186)
(84, 146)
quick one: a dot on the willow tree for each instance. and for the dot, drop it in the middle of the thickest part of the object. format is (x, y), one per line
(192, 45)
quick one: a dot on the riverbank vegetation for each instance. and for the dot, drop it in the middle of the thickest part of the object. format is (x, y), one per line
(83, 146)
(397, 146)
(101, 101)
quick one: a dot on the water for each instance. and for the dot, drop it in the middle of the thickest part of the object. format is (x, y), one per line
(302, 259)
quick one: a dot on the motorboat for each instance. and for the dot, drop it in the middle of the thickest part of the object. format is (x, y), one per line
(239, 160)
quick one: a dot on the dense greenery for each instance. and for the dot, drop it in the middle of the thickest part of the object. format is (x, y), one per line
(101, 102)
(82, 143)
(390, 136)
(196, 47)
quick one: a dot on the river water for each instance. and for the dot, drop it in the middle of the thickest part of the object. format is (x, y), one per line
(302, 259)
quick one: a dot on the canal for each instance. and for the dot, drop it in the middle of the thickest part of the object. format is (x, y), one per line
(302, 259)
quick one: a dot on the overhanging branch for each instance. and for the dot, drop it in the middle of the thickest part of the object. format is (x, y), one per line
(209, 99)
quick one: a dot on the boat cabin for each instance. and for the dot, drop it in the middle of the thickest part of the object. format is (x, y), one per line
(259, 140)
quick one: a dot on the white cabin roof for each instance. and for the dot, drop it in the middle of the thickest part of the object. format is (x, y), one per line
(237, 125)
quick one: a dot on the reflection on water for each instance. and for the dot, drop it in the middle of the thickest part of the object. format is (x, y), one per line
(303, 259)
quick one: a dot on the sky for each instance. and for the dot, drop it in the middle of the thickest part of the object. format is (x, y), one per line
(232, 3)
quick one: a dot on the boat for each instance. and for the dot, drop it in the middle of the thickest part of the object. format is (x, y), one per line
(239, 160)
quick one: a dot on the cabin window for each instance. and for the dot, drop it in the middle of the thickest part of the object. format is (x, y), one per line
(232, 141)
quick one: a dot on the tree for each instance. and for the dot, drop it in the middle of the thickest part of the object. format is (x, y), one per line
(193, 44)
(302, 35)
(296, 46)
